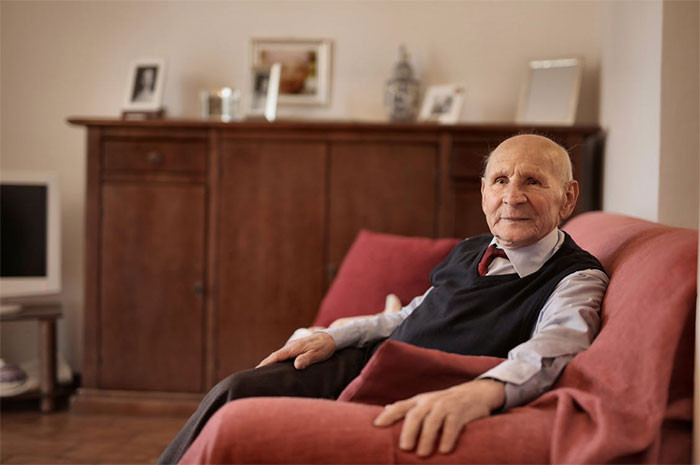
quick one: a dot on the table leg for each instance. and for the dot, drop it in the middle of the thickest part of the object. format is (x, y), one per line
(47, 363)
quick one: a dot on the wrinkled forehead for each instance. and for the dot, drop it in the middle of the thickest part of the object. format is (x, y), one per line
(504, 164)
(533, 155)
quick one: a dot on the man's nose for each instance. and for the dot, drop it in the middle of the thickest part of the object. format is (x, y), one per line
(514, 195)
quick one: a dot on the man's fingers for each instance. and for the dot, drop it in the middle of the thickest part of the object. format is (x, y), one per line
(429, 431)
(277, 356)
(303, 361)
(451, 428)
(412, 426)
(393, 413)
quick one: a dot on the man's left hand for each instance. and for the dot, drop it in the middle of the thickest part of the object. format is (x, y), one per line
(442, 412)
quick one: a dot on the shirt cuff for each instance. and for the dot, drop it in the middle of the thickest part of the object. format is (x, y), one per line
(512, 371)
(519, 392)
(341, 335)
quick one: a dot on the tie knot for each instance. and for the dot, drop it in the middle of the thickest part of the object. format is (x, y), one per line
(491, 253)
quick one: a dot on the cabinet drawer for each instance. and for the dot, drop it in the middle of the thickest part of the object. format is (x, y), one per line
(146, 155)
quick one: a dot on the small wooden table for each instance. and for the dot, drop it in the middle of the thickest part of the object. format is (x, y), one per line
(46, 314)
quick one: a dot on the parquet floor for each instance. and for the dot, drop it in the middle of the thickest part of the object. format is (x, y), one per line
(65, 437)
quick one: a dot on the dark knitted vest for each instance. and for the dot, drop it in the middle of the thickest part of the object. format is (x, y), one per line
(486, 315)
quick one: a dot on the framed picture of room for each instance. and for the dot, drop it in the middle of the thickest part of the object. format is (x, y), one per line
(305, 77)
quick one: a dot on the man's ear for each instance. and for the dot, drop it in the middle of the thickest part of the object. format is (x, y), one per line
(483, 187)
(570, 198)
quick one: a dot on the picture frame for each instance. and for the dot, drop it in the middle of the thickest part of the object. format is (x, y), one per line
(265, 90)
(144, 89)
(442, 104)
(305, 77)
(551, 91)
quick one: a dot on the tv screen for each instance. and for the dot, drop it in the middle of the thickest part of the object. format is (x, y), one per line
(30, 234)
(23, 232)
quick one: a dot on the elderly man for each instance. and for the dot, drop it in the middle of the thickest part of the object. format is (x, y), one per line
(525, 291)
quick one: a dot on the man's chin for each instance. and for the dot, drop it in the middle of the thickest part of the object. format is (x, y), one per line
(515, 239)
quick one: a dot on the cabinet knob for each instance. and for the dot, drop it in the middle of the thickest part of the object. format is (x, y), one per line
(198, 289)
(154, 157)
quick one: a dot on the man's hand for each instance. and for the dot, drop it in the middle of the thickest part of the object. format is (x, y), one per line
(307, 350)
(426, 415)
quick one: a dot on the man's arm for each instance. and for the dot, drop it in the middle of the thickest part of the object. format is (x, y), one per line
(322, 344)
(568, 322)
(363, 330)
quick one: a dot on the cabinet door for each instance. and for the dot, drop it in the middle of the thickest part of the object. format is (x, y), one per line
(466, 165)
(152, 268)
(271, 246)
(384, 187)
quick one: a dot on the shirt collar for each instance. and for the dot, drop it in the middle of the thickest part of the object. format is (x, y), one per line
(527, 260)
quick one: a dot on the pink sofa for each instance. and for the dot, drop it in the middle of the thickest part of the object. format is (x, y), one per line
(626, 399)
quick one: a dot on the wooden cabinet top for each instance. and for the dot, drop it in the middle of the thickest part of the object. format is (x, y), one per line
(330, 125)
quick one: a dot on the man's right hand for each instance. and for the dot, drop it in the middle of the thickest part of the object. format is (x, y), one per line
(305, 351)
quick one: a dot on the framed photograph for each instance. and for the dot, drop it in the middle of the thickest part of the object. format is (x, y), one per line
(144, 89)
(550, 93)
(266, 84)
(305, 77)
(442, 104)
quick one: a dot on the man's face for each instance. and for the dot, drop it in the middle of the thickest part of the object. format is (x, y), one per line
(523, 192)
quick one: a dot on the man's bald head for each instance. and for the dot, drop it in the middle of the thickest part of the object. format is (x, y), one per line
(544, 147)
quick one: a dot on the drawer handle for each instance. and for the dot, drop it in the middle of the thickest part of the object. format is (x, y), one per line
(154, 158)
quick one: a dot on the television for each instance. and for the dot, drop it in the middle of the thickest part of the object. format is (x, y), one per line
(30, 236)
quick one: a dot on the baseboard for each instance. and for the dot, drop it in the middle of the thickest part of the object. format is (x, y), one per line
(137, 403)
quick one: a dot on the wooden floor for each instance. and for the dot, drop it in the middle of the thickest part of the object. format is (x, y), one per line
(27, 436)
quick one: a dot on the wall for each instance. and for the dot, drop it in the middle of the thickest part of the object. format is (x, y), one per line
(630, 105)
(71, 58)
(680, 114)
(649, 108)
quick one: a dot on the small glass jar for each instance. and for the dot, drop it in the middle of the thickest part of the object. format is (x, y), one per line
(223, 104)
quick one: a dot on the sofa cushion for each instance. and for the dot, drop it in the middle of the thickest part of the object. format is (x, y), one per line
(398, 371)
(378, 264)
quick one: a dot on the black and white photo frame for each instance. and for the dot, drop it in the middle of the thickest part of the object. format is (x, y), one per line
(265, 91)
(144, 89)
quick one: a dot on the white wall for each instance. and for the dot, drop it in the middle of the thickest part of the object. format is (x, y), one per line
(71, 58)
(650, 109)
(630, 105)
(680, 114)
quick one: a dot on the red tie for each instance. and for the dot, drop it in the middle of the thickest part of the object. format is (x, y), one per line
(491, 253)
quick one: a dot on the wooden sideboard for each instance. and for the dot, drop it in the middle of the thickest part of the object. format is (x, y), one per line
(208, 243)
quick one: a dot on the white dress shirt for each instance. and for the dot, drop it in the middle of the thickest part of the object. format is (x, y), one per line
(567, 323)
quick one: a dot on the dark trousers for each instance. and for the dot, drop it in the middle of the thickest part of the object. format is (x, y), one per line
(325, 380)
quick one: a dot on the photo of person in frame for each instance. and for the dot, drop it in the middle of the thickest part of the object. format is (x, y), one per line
(144, 84)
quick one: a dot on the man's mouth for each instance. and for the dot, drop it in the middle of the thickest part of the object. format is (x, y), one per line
(514, 218)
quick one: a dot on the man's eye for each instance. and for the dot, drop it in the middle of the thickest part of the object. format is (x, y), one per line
(500, 181)
(533, 182)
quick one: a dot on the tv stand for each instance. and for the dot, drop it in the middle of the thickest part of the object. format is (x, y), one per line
(46, 315)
